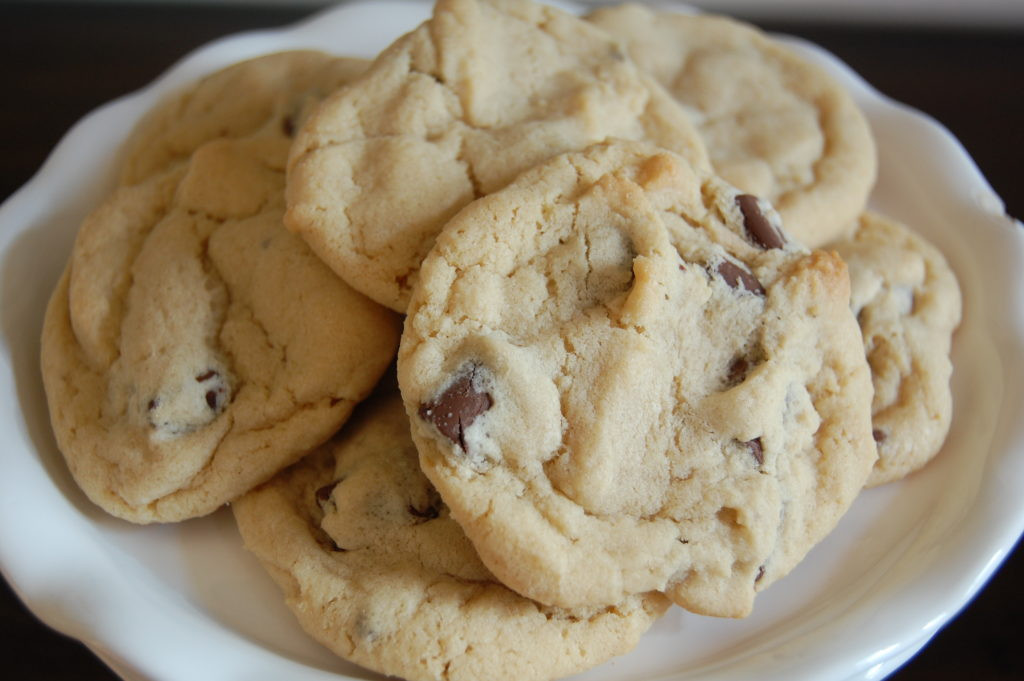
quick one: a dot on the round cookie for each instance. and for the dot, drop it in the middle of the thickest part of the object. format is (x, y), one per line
(775, 125)
(622, 376)
(452, 111)
(271, 90)
(194, 346)
(374, 567)
(908, 304)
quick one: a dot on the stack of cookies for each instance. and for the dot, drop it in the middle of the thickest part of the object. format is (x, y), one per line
(650, 342)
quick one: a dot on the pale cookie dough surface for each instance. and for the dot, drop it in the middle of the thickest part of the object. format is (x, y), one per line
(375, 568)
(194, 346)
(908, 304)
(616, 387)
(774, 124)
(273, 90)
(452, 111)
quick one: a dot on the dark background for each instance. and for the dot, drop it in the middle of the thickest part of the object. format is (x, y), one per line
(58, 62)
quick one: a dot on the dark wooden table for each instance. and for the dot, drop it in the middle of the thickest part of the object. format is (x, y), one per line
(59, 62)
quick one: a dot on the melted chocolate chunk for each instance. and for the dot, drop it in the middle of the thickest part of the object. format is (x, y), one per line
(879, 435)
(457, 408)
(216, 396)
(735, 276)
(757, 225)
(737, 371)
(756, 450)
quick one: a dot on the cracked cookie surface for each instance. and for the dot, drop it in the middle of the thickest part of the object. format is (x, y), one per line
(375, 568)
(273, 90)
(622, 376)
(194, 346)
(774, 124)
(452, 111)
(907, 301)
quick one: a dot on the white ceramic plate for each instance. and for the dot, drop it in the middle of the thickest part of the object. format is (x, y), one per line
(186, 601)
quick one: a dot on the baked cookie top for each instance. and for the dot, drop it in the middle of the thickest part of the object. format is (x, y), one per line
(453, 111)
(622, 376)
(908, 304)
(375, 568)
(775, 125)
(194, 346)
(272, 90)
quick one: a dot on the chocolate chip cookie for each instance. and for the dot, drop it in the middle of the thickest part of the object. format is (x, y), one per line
(194, 346)
(907, 302)
(273, 90)
(453, 111)
(774, 124)
(375, 568)
(623, 375)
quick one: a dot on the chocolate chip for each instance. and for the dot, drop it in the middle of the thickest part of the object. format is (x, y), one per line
(760, 574)
(215, 396)
(152, 404)
(756, 450)
(735, 275)
(737, 371)
(457, 408)
(879, 435)
(757, 225)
